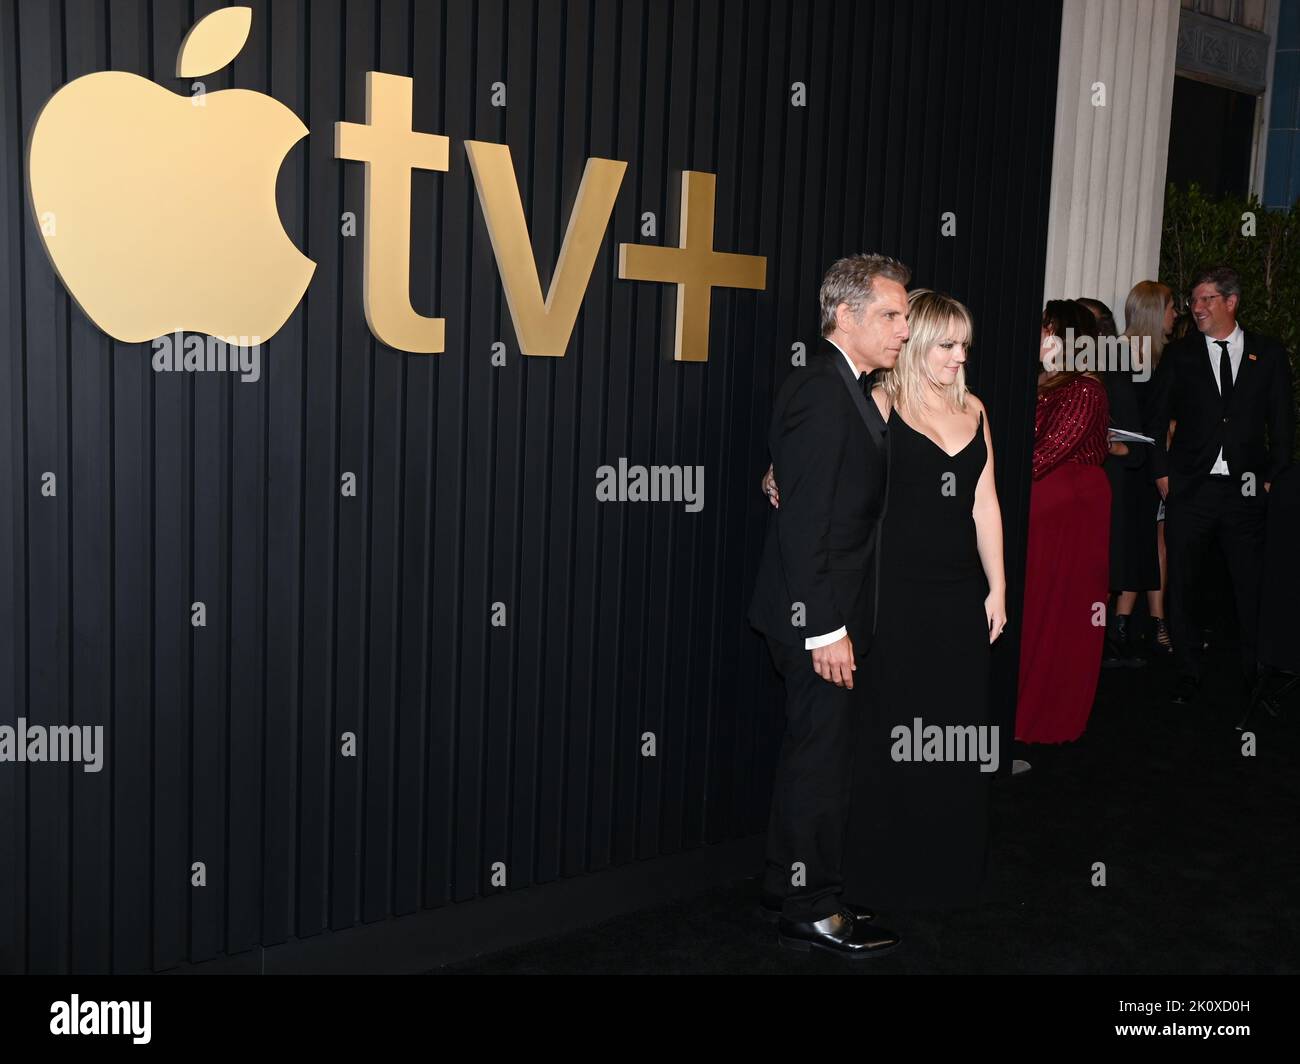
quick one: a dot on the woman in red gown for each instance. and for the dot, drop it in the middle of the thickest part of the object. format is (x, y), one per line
(1067, 564)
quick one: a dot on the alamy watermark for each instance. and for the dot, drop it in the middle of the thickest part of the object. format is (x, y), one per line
(74, 1016)
(951, 742)
(1106, 354)
(196, 353)
(57, 742)
(638, 483)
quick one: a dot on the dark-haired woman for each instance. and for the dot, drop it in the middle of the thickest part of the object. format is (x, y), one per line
(1067, 563)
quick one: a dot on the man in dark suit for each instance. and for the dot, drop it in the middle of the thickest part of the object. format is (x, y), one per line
(1228, 392)
(814, 599)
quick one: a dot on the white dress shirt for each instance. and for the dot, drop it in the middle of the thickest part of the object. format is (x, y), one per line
(1236, 341)
(815, 641)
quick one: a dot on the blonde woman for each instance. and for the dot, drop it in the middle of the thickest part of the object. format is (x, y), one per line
(918, 826)
(1149, 318)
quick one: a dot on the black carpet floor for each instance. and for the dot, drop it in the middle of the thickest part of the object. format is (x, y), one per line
(1200, 844)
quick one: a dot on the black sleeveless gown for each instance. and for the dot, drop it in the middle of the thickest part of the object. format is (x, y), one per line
(917, 835)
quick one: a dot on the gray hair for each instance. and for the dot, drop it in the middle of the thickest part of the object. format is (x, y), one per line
(851, 280)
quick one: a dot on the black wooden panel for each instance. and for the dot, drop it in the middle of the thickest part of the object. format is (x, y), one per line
(266, 860)
(48, 557)
(237, 770)
(616, 642)
(318, 745)
(384, 471)
(89, 512)
(712, 778)
(415, 624)
(372, 614)
(515, 402)
(452, 527)
(13, 489)
(130, 742)
(213, 513)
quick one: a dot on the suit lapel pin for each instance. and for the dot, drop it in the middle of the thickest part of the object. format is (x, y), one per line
(1252, 358)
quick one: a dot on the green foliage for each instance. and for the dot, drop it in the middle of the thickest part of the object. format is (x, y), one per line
(1199, 231)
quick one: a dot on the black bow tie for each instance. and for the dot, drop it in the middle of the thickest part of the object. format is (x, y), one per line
(864, 382)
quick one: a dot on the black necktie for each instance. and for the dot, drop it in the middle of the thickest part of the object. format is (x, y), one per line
(1225, 373)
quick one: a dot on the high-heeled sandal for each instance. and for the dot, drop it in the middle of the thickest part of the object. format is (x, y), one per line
(1162, 642)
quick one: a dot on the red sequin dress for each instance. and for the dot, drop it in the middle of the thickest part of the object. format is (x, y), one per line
(1067, 565)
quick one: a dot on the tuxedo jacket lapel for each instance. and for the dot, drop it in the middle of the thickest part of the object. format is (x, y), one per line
(1208, 372)
(869, 412)
(1247, 368)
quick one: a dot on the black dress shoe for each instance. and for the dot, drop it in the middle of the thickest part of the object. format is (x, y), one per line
(1185, 691)
(838, 933)
(770, 907)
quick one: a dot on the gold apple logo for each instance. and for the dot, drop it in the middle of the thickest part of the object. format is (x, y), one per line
(158, 210)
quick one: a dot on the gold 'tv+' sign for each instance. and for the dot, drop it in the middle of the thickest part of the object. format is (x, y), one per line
(119, 167)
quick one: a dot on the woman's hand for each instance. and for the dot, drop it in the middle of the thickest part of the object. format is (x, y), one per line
(995, 609)
(769, 489)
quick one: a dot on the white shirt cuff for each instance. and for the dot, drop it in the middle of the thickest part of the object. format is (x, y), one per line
(815, 641)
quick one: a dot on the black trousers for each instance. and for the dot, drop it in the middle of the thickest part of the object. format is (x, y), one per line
(813, 785)
(1214, 507)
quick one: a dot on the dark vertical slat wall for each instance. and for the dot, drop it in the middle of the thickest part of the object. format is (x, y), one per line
(476, 744)
(89, 510)
(311, 750)
(13, 580)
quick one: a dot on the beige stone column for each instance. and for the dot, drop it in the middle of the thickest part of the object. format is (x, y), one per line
(1113, 97)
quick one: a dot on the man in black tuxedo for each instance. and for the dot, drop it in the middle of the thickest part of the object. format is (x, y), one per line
(815, 596)
(1228, 392)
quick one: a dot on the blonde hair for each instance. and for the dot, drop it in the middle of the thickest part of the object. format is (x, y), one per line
(930, 320)
(1144, 314)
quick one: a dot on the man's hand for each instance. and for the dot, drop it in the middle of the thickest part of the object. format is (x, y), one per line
(1118, 447)
(769, 489)
(1162, 484)
(834, 662)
